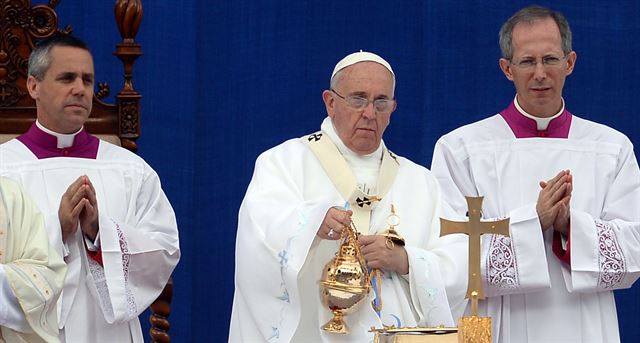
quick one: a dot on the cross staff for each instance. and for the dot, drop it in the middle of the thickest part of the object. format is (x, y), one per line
(474, 229)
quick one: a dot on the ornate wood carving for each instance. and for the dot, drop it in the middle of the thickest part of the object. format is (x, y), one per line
(159, 319)
(20, 24)
(103, 90)
(129, 107)
(128, 15)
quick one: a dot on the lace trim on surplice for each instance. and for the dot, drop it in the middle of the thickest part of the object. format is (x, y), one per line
(100, 281)
(502, 268)
(97, 271)
(126, 259)
(610, 257)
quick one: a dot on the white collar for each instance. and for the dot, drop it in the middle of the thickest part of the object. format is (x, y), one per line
(64, 140)
(542, 123)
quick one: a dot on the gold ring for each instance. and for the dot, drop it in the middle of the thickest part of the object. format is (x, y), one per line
(389, 243)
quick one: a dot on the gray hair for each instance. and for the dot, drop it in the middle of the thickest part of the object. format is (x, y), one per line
(40, 58)
(529, 15)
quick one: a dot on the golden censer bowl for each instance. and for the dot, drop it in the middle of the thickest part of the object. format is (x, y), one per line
(344, 283)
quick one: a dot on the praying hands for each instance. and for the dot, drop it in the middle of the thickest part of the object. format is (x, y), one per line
(553, 202)
(79, 206)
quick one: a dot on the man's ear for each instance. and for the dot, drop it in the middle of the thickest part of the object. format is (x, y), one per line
(33, 86)
(329, 102)
(571, 62)
(505, 66)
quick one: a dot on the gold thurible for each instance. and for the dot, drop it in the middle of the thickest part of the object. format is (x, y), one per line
(345, 281)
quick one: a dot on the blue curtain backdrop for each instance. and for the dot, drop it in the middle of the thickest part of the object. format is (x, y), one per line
(223, 81)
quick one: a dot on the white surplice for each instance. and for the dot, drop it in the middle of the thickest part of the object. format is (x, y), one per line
(534, 297)
(138, 238)
(31, 274)
(279, 258)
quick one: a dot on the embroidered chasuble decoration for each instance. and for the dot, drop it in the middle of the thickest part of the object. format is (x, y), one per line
(337, 169)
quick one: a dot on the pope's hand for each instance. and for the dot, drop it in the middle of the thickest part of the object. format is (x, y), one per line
(334, 222)
(382, 254)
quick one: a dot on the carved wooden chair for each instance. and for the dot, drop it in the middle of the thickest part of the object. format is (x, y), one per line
(21, 25)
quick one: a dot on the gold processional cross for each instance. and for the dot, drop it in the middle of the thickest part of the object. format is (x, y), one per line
(474, 228)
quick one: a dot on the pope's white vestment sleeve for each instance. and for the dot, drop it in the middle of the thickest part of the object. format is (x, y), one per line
(443, 264)
(425, 286)
(138, 255)
(33, 270)
(605, 250)
(276, 229)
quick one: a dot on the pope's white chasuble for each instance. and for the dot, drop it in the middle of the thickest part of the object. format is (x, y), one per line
(286, 201)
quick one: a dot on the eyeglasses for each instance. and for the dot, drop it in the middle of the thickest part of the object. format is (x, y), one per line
(360, 103)
(529, 63)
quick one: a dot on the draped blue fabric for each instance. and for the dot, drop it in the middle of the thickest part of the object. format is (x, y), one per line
(223, 81)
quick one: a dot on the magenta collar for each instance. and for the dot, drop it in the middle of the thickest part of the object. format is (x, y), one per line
(44, 145)
(524, 127)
